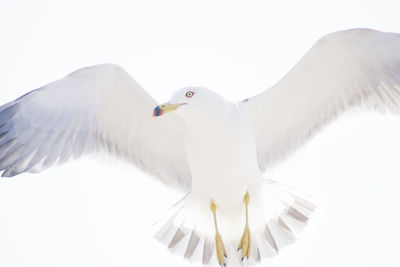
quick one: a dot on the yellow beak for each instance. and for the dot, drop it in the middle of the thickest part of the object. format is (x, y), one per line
(165, 108)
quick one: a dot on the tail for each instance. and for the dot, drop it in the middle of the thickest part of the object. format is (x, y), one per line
(285, 214)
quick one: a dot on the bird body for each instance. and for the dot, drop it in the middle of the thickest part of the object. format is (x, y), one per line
(221, 153)
(222, 158)
(212, 150)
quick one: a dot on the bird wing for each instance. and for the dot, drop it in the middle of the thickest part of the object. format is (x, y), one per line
(345, 69)
(99, 108)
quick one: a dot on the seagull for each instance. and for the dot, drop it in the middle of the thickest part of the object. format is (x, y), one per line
(213, 150)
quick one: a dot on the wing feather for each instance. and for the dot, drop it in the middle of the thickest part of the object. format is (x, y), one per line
(99, 108)
(346, 69)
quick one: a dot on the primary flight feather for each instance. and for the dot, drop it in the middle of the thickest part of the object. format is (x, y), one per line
(213, 150)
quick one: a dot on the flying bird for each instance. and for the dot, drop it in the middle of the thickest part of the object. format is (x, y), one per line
(213, 150)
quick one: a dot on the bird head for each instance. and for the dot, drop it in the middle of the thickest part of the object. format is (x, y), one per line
(187, 101)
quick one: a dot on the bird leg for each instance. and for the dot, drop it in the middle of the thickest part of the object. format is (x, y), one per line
(221, 253)
(244, 244)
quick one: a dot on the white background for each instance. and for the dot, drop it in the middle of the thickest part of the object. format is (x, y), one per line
(89, 213)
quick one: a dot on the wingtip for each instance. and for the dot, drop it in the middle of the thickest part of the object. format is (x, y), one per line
(8, 173)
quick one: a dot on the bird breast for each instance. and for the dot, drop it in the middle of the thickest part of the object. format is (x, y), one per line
(222, 157)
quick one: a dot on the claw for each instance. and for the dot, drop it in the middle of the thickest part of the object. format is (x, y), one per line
(220, 248)
(244, 244)
(221, 253)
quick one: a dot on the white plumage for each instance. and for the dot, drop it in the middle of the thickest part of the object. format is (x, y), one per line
(95, 108)
(353, 68)
(209, 148)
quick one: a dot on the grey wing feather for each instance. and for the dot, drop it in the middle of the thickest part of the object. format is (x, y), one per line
(99, 108)
(346, 69)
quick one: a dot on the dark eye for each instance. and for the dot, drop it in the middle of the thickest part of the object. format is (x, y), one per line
(189, 94)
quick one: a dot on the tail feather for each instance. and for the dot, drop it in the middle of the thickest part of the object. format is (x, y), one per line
(192, 245)
(286, 213)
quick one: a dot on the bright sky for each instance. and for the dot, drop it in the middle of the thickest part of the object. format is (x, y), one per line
(89, 213)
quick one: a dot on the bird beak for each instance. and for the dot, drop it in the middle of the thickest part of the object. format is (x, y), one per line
(165, 108)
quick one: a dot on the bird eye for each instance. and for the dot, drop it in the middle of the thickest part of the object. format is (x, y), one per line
(189, 94)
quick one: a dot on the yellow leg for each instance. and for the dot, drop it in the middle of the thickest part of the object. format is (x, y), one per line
(221, 253)
(244, 244)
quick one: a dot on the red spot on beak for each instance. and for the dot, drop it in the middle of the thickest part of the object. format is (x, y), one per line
(157, 111)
